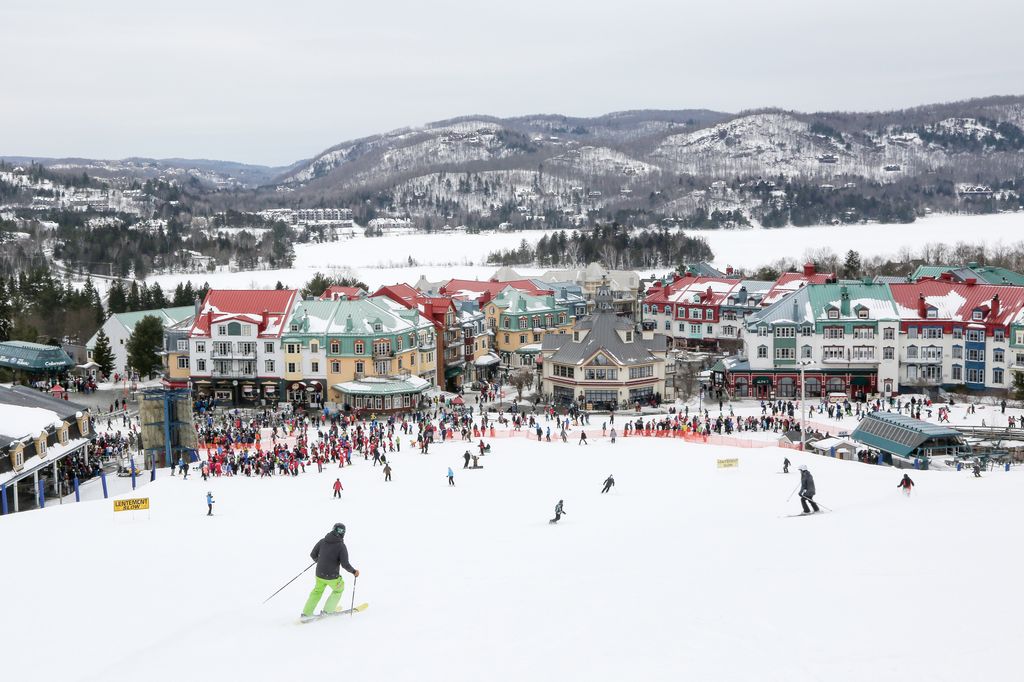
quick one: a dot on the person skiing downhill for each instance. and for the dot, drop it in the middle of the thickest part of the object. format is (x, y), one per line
(330, 554)
(337, 488)
(785, 465)
(209, 503)
(608, 483)
(451, 476)
(558, 512)
(807, 490)
(906, 484)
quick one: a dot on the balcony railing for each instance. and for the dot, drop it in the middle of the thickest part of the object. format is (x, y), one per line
(233, 353)
(233, 373)
(383, 353)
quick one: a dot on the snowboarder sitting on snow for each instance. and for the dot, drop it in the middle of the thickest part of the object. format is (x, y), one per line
(785, 465)
(558, 512)
(608, 483)
(330, 554)
(906, 484)
(807, 490)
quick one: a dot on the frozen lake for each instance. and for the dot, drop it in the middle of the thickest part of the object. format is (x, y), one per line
(385, 260)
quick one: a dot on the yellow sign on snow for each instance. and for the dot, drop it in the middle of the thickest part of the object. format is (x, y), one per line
(131, 504)
(728, 463)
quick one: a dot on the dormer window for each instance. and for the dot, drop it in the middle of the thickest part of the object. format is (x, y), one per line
(295, 327)
(833, 314)
(862, 313)
(933, 313)
(376, 326)
(629, 337)
(976, 315)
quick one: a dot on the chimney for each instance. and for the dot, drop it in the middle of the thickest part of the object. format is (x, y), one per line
(995, 307)
(741, 295)
(844, 302)
(728, 269)
(809, 269)
(348, 323)
(946, 277)
(796, 310)
(266, 319)
(199, 307)
(922, 306)
(971, 281)
(708, 294)
(676, 277)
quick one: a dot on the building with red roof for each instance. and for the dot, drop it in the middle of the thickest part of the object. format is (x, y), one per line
(235, 344)
(483, 292)
(442, 311)
(341, 293)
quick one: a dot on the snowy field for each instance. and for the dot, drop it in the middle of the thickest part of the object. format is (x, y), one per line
(384, 260)
(683, 571)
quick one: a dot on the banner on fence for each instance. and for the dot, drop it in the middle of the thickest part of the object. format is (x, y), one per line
(728, 463)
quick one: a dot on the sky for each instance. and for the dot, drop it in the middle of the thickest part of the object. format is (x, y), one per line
(274, 82)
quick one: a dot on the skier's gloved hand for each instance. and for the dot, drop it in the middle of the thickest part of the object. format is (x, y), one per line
(356, 573)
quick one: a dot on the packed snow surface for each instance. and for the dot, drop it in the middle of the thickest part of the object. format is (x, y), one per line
(683, 571)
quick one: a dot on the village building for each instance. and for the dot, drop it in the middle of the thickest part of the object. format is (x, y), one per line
(328, 343)
(37, 431)
(604, 362)
(235, 349)
(119, 327)
(520, 322)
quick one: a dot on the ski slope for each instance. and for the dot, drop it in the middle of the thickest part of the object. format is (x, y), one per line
(683, 571)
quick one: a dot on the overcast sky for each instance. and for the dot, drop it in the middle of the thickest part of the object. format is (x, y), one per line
(274, 82)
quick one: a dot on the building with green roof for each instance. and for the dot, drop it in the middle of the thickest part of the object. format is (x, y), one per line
(330, 343)
(34, 359)
(119, 328)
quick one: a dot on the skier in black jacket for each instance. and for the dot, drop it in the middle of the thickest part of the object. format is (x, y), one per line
(807, 490)
(608, 483)
(558, 512)
(330, 555)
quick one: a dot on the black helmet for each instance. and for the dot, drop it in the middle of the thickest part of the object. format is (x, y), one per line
(339, 528)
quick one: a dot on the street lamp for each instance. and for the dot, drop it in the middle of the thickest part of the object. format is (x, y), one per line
(803, 405)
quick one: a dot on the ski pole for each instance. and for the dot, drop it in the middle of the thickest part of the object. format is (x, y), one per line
(290, 582)
(792, 493)
(352, 610)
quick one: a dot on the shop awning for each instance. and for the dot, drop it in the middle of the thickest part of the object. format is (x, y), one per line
(489, 359)
(33, 357)
(450, 372)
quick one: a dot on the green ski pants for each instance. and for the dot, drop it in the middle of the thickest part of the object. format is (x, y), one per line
(337, 586)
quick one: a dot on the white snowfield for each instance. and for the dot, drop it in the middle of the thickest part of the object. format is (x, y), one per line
(683, 572)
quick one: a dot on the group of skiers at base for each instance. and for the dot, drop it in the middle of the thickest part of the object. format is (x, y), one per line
(807, 489)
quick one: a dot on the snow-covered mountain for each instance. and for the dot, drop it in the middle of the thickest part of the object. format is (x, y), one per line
(530, 166)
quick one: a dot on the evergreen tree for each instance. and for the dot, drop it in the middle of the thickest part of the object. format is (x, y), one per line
(144, 346)
(117, 302)
(157, 298)
(851, 268)
(103, 355)
(134, 300)
(6, 313)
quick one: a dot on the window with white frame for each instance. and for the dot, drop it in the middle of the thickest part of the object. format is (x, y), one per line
(863, 353)
(998, 355)
(833, 353)
(762, 331)
(182, 345)
(182, 363)
(200, 347)
(997, 375)
(268, 347)
(912, 352)
(888, 353)
(762, 351)
(863, 333)
(888, 333)
(975, 335)
(314, 347)
(833, 314)
(998, 334)
(696, 313)
(807, 330)
(958, 373)
(200, 365)
(695, 329)
(785, 332)
(975, 315)
(785, 353)
(958, 352)
(806, 351)
(833, 332)
(291, 368)
(975, 355)
(268, 365)
(958, 332)
(932, 332)
(314, 367)
(975, 376)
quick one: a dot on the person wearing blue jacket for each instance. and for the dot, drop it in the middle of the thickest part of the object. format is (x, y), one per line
(451, 476)
(209, 503)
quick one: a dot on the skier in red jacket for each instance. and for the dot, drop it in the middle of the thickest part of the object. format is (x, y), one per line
(337, 488)
(906, 484)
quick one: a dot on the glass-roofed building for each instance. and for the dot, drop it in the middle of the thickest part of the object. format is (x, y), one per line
(903, 439)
